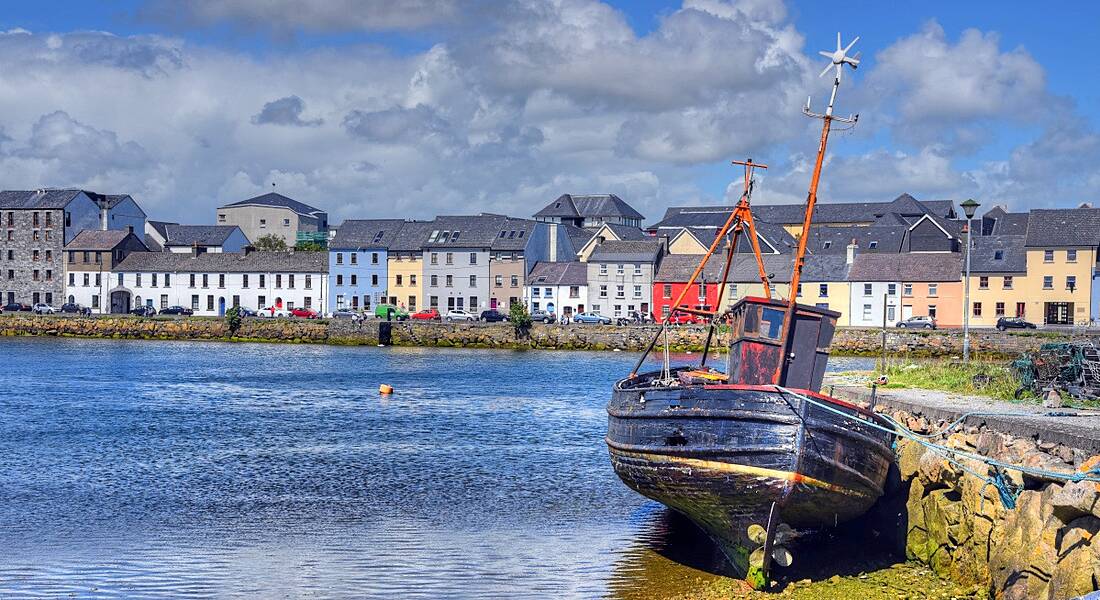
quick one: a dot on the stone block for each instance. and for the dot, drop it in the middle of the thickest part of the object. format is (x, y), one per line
(1074, 500)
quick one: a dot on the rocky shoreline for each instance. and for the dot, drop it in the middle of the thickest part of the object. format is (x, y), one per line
(847, 342)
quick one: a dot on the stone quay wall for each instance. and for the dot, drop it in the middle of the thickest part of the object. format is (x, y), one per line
(847, 342)
(1046, 547)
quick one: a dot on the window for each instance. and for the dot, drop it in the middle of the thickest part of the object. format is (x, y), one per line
(498, 281)
(398, 279)
(221, 280)
(1007, 283)
(354, 258)
(205, 280)
(290, 281)
(638, 270)
(1000, 308)
(340, 258)
(1048, 256)
(620, 269)
(548, 292)
(137, 279)
(354, 279)
(163, 301)
(473, 280)
(823, 290)
(983, 283)
(194, 301)
(867, 288)
(620, 291)
(286, 222)
(86, 280)
(373, 258)
(373, 279)
(244, 280)
(263, 225)
(154, 278)
(120, 279)
(515, 280)
(603, 291)
(263, 279)
(435, 258)
(1071, 282)
(95, 300)
(603, 269)
(826, 245)
(236, 301)
(98, 258)
(450, 258)
(278, 280)
(932, 310)
(977, 309)
(221, 218)
(866, 312)
(339, 279)
(434, 281)
(889, 312)
(72, 279)
(892, 289)
(906, 289)
(998, 255)
(574, 291)
(872, 245)
(666, 291)
(1020, 306)
(733, 291)
(798, 293)
(309, 282)
(210, 302)
(638, 292)
(535, 292)
(1071, 255)
(450, 281)
(34, 254)
(473, 258)
(433, 236)
(49, 255)
(1048, 282)
(933, 288)
(99, 282)
(412, 279)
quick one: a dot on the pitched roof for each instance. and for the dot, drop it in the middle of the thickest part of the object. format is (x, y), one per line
(677, 268)
(589, 205)
(411, 236)
(905, 267)
(280, 201)
(558, 273)
(903, 209)
(625, 232)
(152, 244)
(203, 235)
(107, 201)
(628, 251)
(466, 231)
(40, 199)
(1011, 224)
(998, 254)
(835, 240)
(97, 239)
(514, 234)
(366, 233)
(161, 227)
(226, 262)
(578, 236)
(1063, 227)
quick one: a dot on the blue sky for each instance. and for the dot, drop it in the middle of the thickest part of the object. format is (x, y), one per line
(413, 107)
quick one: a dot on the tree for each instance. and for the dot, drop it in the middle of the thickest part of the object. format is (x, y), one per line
(520, 318)
(270, 243)
(309, 247)
(233, 319)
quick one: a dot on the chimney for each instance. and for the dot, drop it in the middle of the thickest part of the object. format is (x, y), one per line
(194, 249)
(129, 229)
(852, 247)
(248, 249)
(553, 231)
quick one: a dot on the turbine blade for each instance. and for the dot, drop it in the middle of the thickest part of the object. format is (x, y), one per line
(838, 46)
(826, 54)
(826, 69)
(852, 43)
(852, 61)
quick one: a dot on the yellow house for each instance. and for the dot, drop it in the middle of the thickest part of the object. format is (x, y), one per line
(405, 266)
(1061, 258)
(824, 281)
(999, 281)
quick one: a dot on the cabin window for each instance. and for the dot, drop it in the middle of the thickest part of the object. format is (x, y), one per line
(771, 323)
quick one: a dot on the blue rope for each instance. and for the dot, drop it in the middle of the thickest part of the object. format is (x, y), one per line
(1006, 490)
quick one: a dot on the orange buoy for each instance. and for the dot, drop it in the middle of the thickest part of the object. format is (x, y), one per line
(385, 389)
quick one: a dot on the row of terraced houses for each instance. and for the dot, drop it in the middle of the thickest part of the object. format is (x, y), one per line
(873, 262)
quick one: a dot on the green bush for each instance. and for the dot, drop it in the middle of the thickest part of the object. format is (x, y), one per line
(520, 318)
(233, 319)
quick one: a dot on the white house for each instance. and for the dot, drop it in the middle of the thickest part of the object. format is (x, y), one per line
(560, 288)
(210, 283)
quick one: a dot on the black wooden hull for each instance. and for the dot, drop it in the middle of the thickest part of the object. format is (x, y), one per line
(722, 454)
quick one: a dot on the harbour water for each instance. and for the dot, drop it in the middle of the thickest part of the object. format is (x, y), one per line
(182, 469)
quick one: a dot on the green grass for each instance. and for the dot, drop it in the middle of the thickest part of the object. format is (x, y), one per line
(954, 376)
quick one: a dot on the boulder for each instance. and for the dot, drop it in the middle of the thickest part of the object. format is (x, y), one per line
(1075, 572)
(909, 456)
(1074, 500)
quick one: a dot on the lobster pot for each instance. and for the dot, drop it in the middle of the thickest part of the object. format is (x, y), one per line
(757, 346)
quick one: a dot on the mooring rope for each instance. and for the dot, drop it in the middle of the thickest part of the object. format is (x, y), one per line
(1007, 491)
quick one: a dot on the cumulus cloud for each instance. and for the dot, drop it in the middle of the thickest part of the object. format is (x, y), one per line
(283, 16)
(284, 111)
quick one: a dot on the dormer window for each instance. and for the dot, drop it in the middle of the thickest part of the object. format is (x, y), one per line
(454, 236)
(378, 236)
(432, 238)
(873, 245)
(827, 245)
(998, 255)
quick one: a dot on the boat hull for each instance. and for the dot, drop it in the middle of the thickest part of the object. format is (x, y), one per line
(723, 454)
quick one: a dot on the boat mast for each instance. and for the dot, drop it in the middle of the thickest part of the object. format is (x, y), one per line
(837, 60)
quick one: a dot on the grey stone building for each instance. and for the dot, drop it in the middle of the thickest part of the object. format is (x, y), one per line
(35, 225)
(276, 214)
(620, 276)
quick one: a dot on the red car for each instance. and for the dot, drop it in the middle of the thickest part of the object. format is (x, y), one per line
(428, 314)
(683, 318)
(304, 313)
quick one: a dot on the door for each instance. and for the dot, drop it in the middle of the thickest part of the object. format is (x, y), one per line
(493, 303)
(221, 306)
(1058, 313)
(120, 302)
(906, 311)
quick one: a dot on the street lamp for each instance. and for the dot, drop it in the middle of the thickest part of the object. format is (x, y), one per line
(969, 208)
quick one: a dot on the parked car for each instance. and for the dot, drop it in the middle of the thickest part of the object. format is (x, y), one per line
(303, 313)
(428, 314)
(177, 310)
(144, 311)
(273, 312)
(43, 309)
(492, 316)
(541, 316)
(16, 307)
(1013, 323)
(72, 308)
(391, 312)
(921, 322)
(458, 314)
(683, 318)
(591, 317)
(246, 312)
(345, 313)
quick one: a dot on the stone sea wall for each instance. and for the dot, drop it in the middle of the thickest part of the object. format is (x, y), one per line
(847, 342)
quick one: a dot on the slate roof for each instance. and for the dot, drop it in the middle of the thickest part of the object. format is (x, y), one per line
(203, 235)
(474, 231)
(589, 205)
(411, 236)
(1063, 227)
(226, 262)
(627, 251)
(577, 236)
(161, 227)
(775, 236)
(279, 201)
(677, 268)
(625, 232)
(97, 239)
(917, 267)
(558, 273)
(1011, 224)
(107, 201)
(987, 249)
(40, 199)
(887, 239)
(903, 209)
(152, 244)
(513, 234)
(366, 233)
(952, 227)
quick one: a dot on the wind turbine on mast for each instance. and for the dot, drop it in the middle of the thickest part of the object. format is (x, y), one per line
(837, 59)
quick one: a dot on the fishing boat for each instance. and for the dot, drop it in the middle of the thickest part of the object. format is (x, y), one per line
(754, 454)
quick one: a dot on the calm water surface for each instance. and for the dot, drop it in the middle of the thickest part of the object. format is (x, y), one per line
(167, 469)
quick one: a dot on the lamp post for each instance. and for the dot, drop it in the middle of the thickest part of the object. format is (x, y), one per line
(969, 208)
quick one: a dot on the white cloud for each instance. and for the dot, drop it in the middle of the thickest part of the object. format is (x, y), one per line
(283, 16)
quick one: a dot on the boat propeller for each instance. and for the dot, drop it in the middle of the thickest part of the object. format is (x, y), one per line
(771, 540)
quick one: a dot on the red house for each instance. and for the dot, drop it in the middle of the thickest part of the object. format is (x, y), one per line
(671, 279)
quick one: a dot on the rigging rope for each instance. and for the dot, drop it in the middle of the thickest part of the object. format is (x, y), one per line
(1007, 492)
